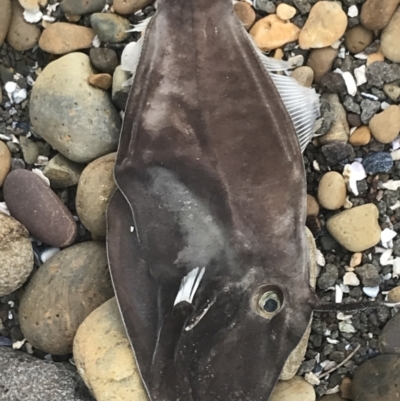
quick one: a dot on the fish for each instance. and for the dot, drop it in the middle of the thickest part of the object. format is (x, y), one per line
(206, 235)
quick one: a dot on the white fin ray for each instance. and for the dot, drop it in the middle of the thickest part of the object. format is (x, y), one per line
(301, 103)
(189, 285)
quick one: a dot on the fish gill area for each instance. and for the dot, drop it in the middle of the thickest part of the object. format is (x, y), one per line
(62, 99)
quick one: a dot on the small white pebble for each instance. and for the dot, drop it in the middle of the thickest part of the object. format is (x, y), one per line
(391, 184)
(385, 257)
(10, 87)
(385, 105)
(132, 229)
(387, 236)
(352, 173)
(41, 175)
(350, 83)
(346, 327)
(19, 96)
(10, 315)
(352, 12)
(345, 288)
(369, 96)
(396, 144)
(96, 42)
(312, 379)
(351, 279)
(4, 208)
(320, 258)
(48, 18)
(48, 253)
(333, 390)
(316, 166)
(361, 56)
(359, 73)
(11, 304)
(48, 357)
(332, 341)
(18, 344)
(342, 53)
(356, 259)
(387, 277)
(395, 154)
(371, 292)
(342, 316)
(29, 348)
(396, 267)
(338, 294)
(296, 61)
(33, 16)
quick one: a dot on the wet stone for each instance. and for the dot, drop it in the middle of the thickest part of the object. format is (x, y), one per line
(377, 162)
(105, 60)
(337, 151)
(351, 106)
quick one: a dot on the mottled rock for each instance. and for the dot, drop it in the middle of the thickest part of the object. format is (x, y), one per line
(321, 61)
(333, 82)
(245, 13)
(120, 92)
(104, 358)
(356, 229)
(62, 38)
(369, 109)
(129, 6)
(5, 18)
(358, 38)
(21, 35)
(369, 275)
(332, 191)
(377, 379)
(5, 162)
(39, 209)
(79, 280)
(326, 23)
(293, 390)
(328, 277)
(110, 28)
(80, 7)
(62, 172)
(30, 150)
(101, 81)
(337, 151)
(392, 90)
(24, 377)
(271, 32)
(95, 188)
(394, 295)
(304, 76)
(360, 137)
(377, 162)
(385, 126)
(376, 14)
(389, 340)
(380, 72)
(16, 255)
(76, 119)
(104, 59)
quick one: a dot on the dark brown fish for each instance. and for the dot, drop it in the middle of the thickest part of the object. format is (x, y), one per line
(206, 232)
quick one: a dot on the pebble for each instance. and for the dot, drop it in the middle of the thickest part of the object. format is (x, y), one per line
(381, 72)
(332, 191)
(390, 37)
(110, 28)
(21, 35)
(25, 377)
(104, 59)
(95, 188)
(337, 151)
(271, 32)
(104, 359)
(101, 81)
(377, 162)
(5, 162)
(369, 109)
(120, 92)
(360, 137)
(333, 82)
(16, 254)
(356, 229)
(30, 150)
(374, 57)
(5, 18)
(339, 130)
(245, 13)
(129, 6)
(369, 275)
(81, 7)
(350, 278)
(79, 280)
(385, 126)
(345, 387)
(304, 76)
(377, 379)
(62, 172)
(392, 90)
(331, 397)
(312, 206)
(376, 14)
(328, 277)
(75, 118)
(358, 38)
(326, 24)
(285, 12)
(293, 390)
(62, 37)
(389, 340)
(394, 295)
(39, 209)
(321, 61)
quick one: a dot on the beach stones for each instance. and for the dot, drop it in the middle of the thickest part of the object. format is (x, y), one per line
(377, 379)
(24, 377)
(75, 118)
(101, 81)
(62, 172)
(358, 38)
(385, 126)
(95, 188)
(325, 24)
(79, 281)
(110, 28)
(5, 162)
(332, 191)
(104, 358)
(377, 162)
(16, 255)
(360, 137)
(80, 7)
(321, 61)
(104, 59)
(245, 13)
(129, 6)
(293, 390)
(356, 229)
(375, 14)
(62, 38)
(389, 340)
(35, 205)
(390, 38)
(5, 18)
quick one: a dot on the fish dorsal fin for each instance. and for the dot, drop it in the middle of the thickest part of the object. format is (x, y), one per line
(189, 285)
(301, 103)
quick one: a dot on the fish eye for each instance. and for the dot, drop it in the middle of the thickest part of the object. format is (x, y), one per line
(269, 301)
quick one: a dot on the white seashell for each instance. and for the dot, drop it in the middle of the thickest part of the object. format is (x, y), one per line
(352, 173)
(33, 16)
(296, 61)
(338, 294)
(19, 95)
(386, 237)
(41, 175)
(350, 278)
(346, 327)
(352, 12)
(359, 73)
(48, 18)
(361, 56)
(342, 316)
(332, 341)
(312, 379)
(385, 257)
(371, 292)
(350, 83)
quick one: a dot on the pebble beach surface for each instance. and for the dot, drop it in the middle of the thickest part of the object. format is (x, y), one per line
(61, 105)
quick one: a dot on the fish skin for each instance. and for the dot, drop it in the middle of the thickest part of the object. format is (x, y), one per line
(209, 173)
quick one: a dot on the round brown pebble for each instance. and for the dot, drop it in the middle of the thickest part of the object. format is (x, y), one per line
(304, 76)
(360, 137)
(101, 81)
(5, 18)
(358, 38)
(245, 13)
(39, 209)
(125, 7)
(332, 191)
(385, 126)
(390, 38)
(321, 61)
(5, 162)
(394, 295)
(376, 14)
(312, 206)
(62, 293)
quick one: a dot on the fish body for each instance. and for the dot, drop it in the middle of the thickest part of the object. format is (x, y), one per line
(206, 232)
